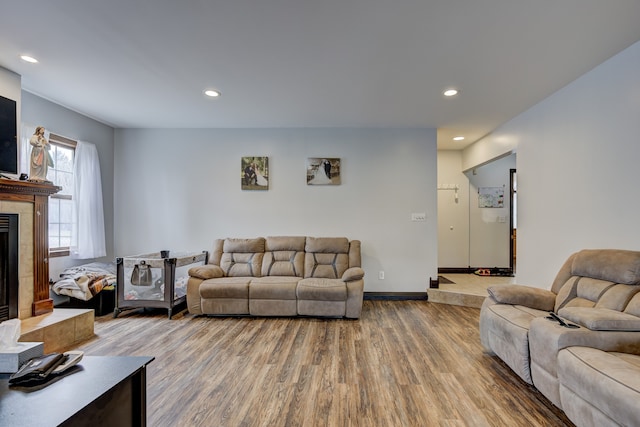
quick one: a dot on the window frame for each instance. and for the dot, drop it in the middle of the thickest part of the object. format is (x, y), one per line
(61, 141)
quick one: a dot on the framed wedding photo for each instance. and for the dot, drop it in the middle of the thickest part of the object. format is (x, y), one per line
(323, 171)
(254, 173)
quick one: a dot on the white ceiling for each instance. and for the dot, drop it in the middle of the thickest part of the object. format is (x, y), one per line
(310, 63)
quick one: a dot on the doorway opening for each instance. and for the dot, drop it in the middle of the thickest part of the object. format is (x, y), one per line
(513, 199)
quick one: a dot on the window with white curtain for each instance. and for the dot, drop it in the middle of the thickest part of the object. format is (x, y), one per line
(61, 203)
(76, 216)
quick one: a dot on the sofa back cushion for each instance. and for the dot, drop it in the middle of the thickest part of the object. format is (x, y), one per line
(284, 256)
(581, 292)
(326, 257)
(634, 305)
(242, 257)
(618, 297)
(601, 278)
(614, 265)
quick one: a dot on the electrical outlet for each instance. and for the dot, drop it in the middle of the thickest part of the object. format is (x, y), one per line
(419, 216)
(381, 275)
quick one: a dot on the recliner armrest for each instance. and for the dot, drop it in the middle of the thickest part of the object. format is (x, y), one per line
(540, 299)
(353, 273)
(208, 271)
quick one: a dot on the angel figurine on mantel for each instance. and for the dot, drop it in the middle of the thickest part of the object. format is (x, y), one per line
(40, 156)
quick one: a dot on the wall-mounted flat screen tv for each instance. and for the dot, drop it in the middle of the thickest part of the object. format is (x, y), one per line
(8, 136)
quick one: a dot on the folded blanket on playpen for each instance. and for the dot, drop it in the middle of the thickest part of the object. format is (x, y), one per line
(85, 281)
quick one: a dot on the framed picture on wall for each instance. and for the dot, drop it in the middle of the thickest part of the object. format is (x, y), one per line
(323, 171)
(254, 173)
(491, 197)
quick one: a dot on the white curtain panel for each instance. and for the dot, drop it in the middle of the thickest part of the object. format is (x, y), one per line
(88, 240)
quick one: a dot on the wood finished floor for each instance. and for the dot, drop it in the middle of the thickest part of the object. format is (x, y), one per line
(404, 363)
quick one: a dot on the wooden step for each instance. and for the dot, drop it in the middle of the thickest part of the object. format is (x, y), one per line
(451, 297)
(59, 330)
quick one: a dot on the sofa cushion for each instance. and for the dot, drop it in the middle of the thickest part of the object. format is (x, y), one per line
(285, 243)
(582, 292)
(241, 264)
(242, 257)
(273, 287)
(225, 287)
(601, 319)
(618, 297)
(547, 338)
(353, 274)
(599, 388)
(205, 272)
(244, 245)
(632, 359)
(284, 256)
(634, 306)
(339, 245)
(321, 289)
(273, 307)
(328, 266)
(527, 296)
(613, 265)
(322, 308)
(507, 334)
(326, 257)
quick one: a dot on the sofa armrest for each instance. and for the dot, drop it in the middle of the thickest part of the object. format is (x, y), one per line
(194, 302)
(352, 274)
(540, 299)
(601, 319)
(355, 295)
(204, 272)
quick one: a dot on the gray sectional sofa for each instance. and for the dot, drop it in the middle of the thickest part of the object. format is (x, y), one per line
(587, 362)
(279, 276)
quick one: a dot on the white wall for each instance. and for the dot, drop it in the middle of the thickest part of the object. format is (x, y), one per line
(578, 172)
(62, 121)
(453, 215)
(180, 189)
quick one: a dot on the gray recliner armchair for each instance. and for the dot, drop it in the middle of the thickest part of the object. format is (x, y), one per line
(596, 295)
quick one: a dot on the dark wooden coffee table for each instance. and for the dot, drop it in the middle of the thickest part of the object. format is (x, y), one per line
(99, 391)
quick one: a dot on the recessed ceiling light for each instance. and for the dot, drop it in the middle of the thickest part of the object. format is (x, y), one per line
(458, 138)
(450, 92)
(212, 93)
(28, 58)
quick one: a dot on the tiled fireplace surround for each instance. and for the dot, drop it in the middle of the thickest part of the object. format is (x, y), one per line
(59, 329)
